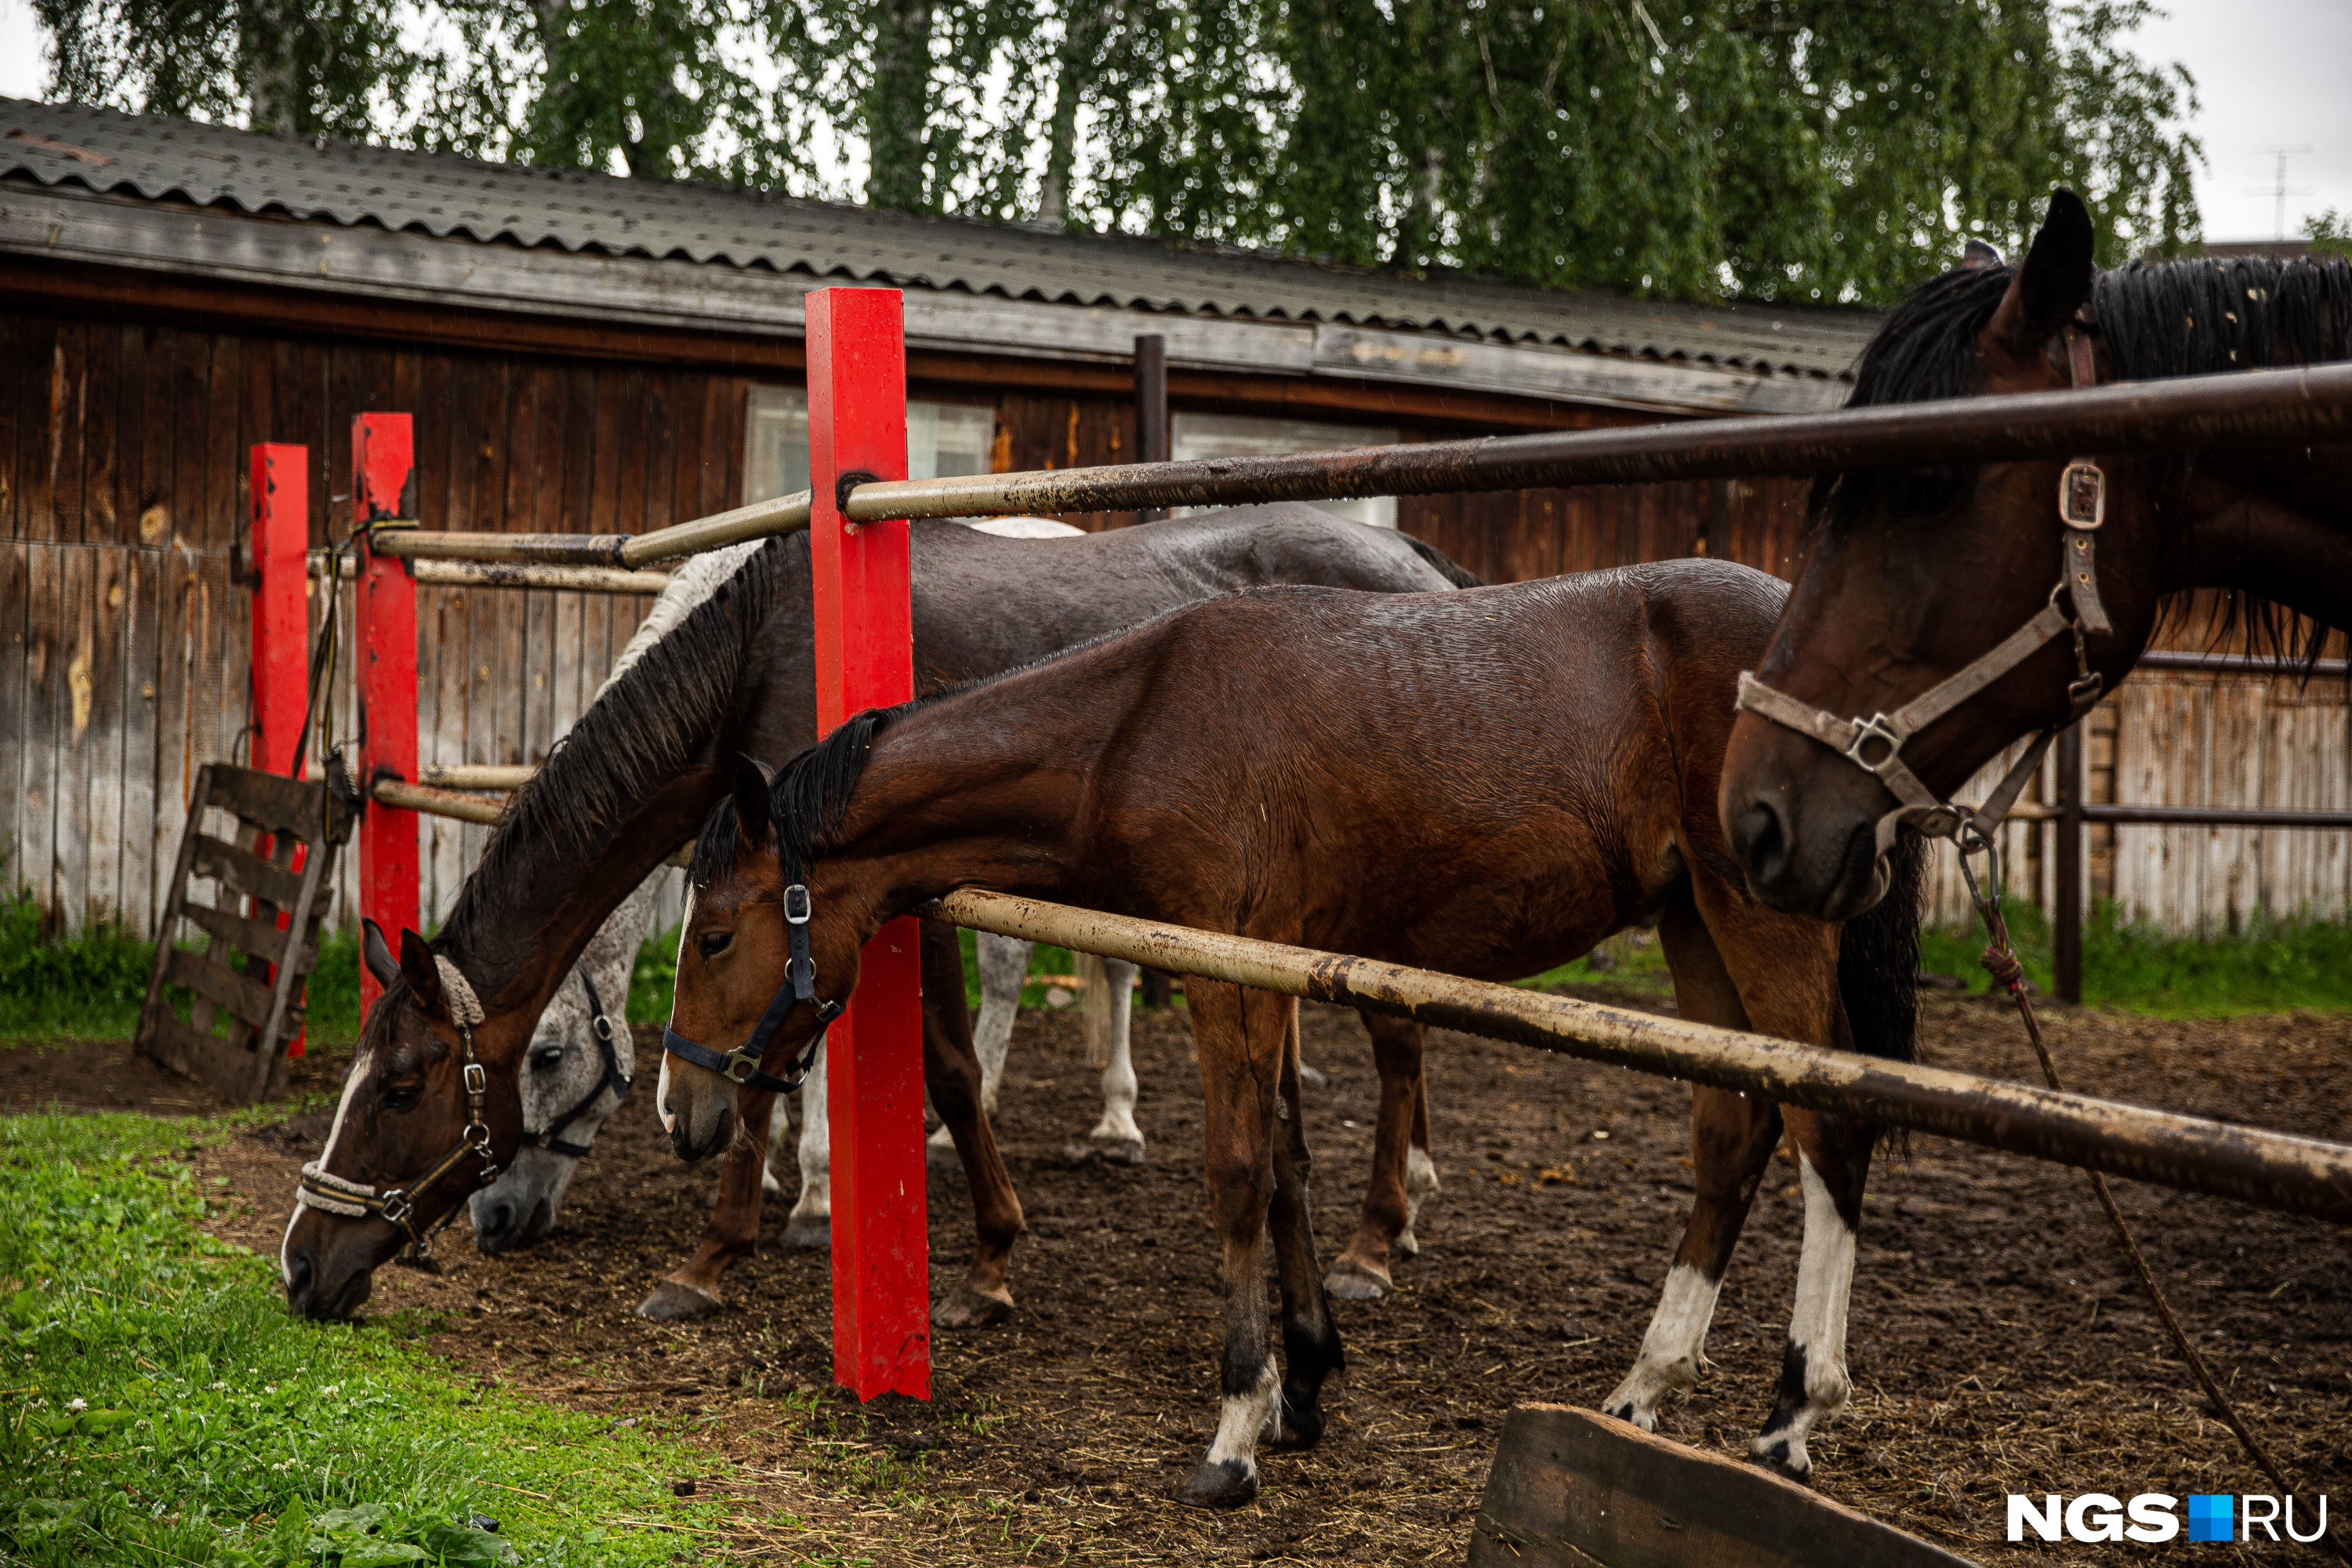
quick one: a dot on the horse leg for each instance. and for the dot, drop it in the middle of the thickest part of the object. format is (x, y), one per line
(1362, 1272)
(810, 1222)
(692, 1292)
(1311, 1349)
(1241, 1038)
(951, 1071)
(780, 1128)
(1732, 1138)
(1116, 1136)
(1419, 1168)
(1832, 1165)
(1787, 971)
(1004, 964)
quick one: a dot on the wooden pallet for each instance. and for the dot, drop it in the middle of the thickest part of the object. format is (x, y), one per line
(1572, 1488)
(253, 885)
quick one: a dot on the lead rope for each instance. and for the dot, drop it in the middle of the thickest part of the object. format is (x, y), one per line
(2000, 960)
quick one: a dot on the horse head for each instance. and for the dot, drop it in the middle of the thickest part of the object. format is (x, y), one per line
(1909, 576)
(734, 981)
(416, 1132)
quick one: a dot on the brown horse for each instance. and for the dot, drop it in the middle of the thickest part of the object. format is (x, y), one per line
(1486, 783)
(636, 776)
(1909, 577)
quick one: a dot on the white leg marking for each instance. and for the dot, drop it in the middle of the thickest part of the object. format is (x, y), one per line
(1673, 1351)
(811, 1218)
(1117, 1124)
(1817, 1326)
(780, 1127)
(1243, 1416)
(1420, 1185)
(1003, 971)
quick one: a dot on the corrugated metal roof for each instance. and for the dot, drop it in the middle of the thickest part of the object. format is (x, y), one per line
(444, 194)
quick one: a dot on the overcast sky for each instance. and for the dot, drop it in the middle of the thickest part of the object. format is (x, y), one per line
(2270, 73)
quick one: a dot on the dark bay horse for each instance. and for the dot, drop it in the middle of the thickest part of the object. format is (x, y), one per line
(635, 777)
(1909, 577)
(1486, 783)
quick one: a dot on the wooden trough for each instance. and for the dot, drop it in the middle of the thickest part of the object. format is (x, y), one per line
(1572, 1488)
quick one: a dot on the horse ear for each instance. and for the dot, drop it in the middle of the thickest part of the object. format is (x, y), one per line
(2052, 284)
(377, 954)
(1978, 256)
(424, 977)
(752, 779)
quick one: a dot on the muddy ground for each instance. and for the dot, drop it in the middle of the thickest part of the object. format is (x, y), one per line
(1998, 1343)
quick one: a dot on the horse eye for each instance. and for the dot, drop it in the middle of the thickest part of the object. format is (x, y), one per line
(715, 942)
(401, 1098)
(548, 1056)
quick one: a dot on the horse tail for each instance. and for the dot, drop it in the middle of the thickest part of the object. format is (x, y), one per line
(1094, 980)
(1442, 565)
(1878, 959)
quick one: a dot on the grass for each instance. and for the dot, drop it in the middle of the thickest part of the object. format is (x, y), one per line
(2266, 966)
(92, 986)
(166, 1410)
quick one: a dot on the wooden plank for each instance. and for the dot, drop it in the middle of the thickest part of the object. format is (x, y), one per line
(245, 873)
(254, 938)
(154, 1014)
(1572, 1488)
(76, 738)
(16, 394)
(15, 588)
(127, 410)
(100, 408)
(110, 601)
(141, 608)
(195, 1054)
(209, 979)
(46, 720)
(282, 806)
(69, 387)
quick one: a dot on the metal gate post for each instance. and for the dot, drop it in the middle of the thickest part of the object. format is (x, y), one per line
(384, 490)
(2067, 918)
(866, 658)
(1151, 409)
(280, 490)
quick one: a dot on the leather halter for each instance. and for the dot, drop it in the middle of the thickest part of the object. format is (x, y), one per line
(322, 1190)
(613, 1080)
(741, 1065)
(1876, 744)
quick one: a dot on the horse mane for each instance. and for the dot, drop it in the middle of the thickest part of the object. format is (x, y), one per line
(2156, 321)
(640, 732)
(807, 801)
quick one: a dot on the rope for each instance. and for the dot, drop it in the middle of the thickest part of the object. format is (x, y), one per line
(315, 1177)
(2000, 960)
(464, 1007)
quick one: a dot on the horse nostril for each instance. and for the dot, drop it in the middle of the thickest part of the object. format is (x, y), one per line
(1760, 840)
(298, 1285)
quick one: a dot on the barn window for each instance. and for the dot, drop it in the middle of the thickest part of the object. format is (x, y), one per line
(1192, 436)
(942, 438)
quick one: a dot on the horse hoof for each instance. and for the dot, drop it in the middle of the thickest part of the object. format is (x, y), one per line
(1352, 1281)
(1117, 1150)
(806, 1230)
(1221, 1484)
(965, 1308)
(672, 1303)
(1301, 1430)
(1776, 1457)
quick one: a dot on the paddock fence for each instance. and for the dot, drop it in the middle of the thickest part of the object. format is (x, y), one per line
(856, 378)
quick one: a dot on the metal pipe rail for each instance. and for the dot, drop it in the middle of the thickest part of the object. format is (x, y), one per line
(2245, 407)
(509, 574)
(2240, 664)
(786, 514)
(2268, 1170)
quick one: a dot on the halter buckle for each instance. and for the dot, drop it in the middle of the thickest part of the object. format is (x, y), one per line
(604, 1028)
(2083, 495)
(477, 1080)
(396, 1207)
(1878, 727)
(797, 904)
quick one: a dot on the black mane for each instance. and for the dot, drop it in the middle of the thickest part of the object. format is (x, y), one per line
(633, 740)
(808, 799)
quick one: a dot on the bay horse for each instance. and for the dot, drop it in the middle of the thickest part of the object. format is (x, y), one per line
(634, 779)
(1910, 576)
(1486, 783)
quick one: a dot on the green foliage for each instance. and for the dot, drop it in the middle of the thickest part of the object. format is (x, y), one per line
(92, 986)
(2268, 965)
(2330, 233)
(164, 1408)
(1808, 149)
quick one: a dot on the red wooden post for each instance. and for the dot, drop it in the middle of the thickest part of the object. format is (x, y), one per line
(383, 488)
(281, 625)
(866, 658)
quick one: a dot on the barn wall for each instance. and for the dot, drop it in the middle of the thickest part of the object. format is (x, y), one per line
(124, 640)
